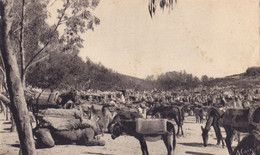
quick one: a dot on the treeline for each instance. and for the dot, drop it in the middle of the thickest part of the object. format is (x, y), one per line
(177, 80)
(64, 71)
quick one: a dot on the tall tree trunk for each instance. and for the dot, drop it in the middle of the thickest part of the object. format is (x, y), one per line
(21, 46)
(17, 100)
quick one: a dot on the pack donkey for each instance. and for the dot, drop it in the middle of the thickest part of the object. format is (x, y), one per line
(125, 122)
(169, 112)
(241, 120)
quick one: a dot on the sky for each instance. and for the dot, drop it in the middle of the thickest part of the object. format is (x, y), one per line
(204, 37)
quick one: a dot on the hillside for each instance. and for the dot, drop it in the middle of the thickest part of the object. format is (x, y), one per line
(249, 79)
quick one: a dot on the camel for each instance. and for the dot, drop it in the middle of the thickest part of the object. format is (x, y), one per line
(66, 126)
(47, 138)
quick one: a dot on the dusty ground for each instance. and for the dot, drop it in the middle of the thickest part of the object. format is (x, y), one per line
(190, 143)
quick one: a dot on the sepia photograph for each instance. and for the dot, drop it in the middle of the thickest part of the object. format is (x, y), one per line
(129, 77)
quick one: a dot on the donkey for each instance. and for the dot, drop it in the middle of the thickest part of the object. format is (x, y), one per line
(125, 123)
(63, 99)
(213, 120)
(238, 120)
(235, 120)
(169, 112)
(249, 144)
(123, 115)
(198, 114)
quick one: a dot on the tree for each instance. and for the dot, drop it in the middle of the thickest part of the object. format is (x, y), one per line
(34, 39)
(174, 80)
(15, 38)
(17, 101)
(59, 71)
(204, 78)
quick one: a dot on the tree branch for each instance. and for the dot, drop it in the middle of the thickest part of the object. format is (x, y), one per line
(42, 58)
(2, 68)
(2, 62)
(62, 21)
(5, 100)
(59, 22)
(8, 17)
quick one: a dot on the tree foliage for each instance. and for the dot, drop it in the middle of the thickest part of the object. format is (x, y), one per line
(153, 4)
(63, 71)
(177, 80)
(33, 39)
(78, 18)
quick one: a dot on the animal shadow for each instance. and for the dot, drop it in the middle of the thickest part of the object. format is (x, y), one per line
(15, 145)
(97, 153)
(194, 144)
(197, 153)
(7, 128)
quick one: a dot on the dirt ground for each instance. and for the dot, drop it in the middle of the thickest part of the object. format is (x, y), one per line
(190, 143)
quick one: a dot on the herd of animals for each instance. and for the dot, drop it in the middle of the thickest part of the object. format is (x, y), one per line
(95, 119)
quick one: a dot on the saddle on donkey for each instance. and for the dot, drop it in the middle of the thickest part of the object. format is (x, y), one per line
(152, 129)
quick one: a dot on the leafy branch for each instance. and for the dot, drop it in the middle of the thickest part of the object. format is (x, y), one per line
(49, 40)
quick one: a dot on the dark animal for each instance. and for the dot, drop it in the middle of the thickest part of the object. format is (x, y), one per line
(238, 120)
(213, 120)
(125, 123)
(188, 109)
(123, 115)
(250, 145)
(169, 112)
(198, 112)
(254, 122)
(65, 97)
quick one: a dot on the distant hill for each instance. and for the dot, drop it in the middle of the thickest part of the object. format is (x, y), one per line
(172, 80)
(250, 78)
